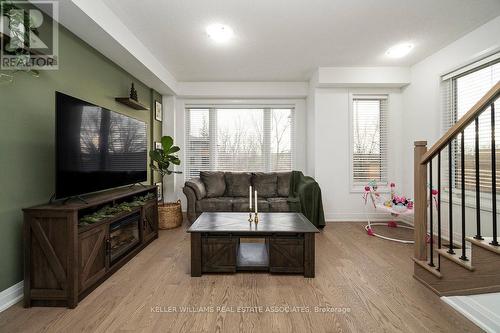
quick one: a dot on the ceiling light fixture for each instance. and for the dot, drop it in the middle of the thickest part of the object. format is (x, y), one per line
(219, 32)
(399, 51)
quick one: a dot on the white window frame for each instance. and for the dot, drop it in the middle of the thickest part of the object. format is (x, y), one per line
(470, 196)
(251, 104)
(355, 187)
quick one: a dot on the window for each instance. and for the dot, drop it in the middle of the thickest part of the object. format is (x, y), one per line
(460, 93)
(369, 139)
(238, 139)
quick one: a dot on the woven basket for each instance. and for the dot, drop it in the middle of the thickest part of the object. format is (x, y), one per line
(170, 215)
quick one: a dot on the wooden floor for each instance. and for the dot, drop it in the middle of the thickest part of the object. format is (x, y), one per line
(368, 281)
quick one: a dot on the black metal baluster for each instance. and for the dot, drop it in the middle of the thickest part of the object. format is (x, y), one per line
(478, 185)
(450, 190)
(493, 176)
(462, 167)
(431, 238)
(439, 207)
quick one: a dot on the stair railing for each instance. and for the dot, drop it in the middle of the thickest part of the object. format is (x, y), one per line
(423, 183)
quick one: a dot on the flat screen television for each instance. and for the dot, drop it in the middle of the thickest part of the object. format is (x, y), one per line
(96, 149)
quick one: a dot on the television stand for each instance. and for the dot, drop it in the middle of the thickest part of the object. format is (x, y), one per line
(140, 184)
(66, 257)
(75, 197)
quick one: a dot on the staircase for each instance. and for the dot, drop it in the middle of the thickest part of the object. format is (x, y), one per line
(471, 263)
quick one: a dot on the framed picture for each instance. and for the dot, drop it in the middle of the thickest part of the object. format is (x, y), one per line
(158, 145)
(158, 114)
(159, 189)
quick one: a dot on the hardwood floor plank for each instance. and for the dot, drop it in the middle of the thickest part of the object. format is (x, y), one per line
(370, 279)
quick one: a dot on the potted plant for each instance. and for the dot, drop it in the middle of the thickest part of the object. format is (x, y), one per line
(169, 214)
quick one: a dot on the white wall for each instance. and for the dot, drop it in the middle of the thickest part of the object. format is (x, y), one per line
(322, 133)
(332, 150)
(95, 23)
(328, 133)
(323, 115)
(422, 104)
(310, 126)
(362, 77)
(421, 99)
(234, 93)
(169, 127)
(232, 90)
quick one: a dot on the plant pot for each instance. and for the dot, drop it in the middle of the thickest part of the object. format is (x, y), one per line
(170, 215)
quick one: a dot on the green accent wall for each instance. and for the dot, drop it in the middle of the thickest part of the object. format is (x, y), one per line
(156, 130)
(27, 131)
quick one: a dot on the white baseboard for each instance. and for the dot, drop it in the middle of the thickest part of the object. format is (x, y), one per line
(11, 296)
(473, 310)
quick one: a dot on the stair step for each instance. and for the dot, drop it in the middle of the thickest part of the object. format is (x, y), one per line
(485, 244)
(456, 258)
(424, 264)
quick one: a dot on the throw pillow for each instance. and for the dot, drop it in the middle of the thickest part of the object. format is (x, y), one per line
(237, 184)
(284, 183)
(266, 184)
(215, 183)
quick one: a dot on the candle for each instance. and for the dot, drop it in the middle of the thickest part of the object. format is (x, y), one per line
(250, 197)
(255, 202)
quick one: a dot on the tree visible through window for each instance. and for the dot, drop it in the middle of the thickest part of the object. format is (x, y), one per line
(237, 139)
(369, 139)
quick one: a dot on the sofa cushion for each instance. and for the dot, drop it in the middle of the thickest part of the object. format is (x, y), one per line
(221, 204)
(198, 187)
(215, 184)
(266, 184)
(237, 184)
(263, 205)
(240, 205)
(284, 183)
(279, 204)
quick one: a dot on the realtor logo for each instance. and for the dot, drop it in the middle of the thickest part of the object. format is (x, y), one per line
(29, 35)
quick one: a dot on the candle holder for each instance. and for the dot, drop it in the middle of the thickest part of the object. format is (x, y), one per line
(256, 219)
(250, 217)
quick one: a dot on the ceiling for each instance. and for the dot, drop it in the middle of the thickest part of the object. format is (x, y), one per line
(286, 40)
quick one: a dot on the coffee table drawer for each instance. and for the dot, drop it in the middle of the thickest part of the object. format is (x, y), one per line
(286, 254)
(218, 254)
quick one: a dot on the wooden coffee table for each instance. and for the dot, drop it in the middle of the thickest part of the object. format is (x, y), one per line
(280, 243)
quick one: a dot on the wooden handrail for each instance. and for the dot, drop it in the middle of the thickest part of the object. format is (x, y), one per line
(465, 121)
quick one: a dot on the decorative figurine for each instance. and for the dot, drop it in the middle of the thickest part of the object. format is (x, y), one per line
(133, 93)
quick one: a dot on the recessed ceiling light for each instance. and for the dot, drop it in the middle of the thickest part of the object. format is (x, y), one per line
(219, 32)
(399, 51)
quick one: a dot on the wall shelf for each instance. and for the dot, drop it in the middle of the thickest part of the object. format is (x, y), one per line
(131, 103)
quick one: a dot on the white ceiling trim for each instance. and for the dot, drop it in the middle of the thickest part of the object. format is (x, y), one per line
(363, 77)
(243, 89)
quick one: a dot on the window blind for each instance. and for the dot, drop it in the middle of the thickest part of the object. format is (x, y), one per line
(459, 94)
(239, 139)
(369, 139)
